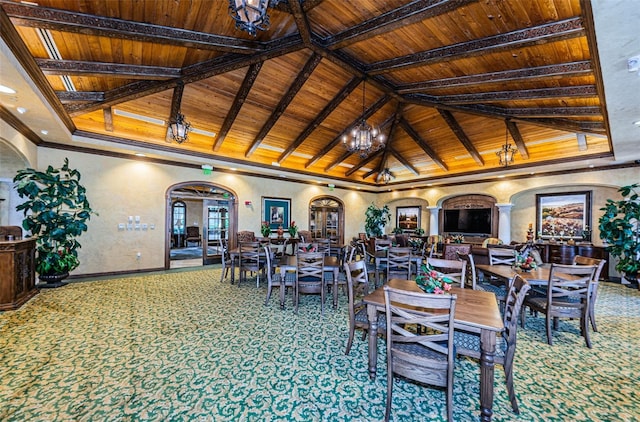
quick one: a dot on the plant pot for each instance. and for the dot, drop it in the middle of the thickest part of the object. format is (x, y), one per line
(52, 280)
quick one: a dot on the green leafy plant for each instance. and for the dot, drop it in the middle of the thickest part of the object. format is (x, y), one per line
(396, 230)
(56, 212)
(419, 231)
(620, 228)
(265, 229)
(293, 229)
(375, 220)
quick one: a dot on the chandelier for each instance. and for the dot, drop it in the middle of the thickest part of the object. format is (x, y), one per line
(179, 129)
(363, 139)
(250, 15)
(386, 176)
(507, 152)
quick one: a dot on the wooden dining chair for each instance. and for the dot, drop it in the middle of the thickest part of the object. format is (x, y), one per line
(568, 294)
(225, 258)
(501, 256)
(275, 278)
(427, 354)
(358, 287)
(399, 263)
(324, 245)
(472, 280)
(468, 343)
(454, 269)
(310, 277)
(585, 260)
(249, 261)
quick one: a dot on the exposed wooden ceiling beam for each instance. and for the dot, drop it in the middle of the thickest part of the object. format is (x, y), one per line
(404, 162)
(563, 70)
(369, 112)
(328, 109)
(176, 102)
(337, 161)
(423, 144)
(364, 162)
(108, 119)
(524, 94)
(79, 96)
(462, 137)
(190, 74)
(67, 21)
(238, 101)
(517, 139)
(302, 77)
(301, 21)
(114, 70)
(553, 31)
(413, 12)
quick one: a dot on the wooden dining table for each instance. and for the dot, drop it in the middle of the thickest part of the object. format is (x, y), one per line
(536, 277)
(476, 311)
(290, 263)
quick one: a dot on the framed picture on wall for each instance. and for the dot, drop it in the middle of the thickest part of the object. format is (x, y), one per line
(408, 218)
(276, 212)
(563, 215)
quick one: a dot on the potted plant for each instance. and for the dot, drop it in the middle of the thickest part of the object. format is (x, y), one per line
(56, 212)
(293, 229)
(620, 228)
(265, 229)
(396, 230)
(375, 220)
(419, 231)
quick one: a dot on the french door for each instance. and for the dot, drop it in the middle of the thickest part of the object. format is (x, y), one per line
(216, 228)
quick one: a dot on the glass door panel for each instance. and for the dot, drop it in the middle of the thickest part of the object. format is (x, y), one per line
(216, 221)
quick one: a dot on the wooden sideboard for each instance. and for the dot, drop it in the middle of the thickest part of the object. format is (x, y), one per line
(17, 273)
(561, 253)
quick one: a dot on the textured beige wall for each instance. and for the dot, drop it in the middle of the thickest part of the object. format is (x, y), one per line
(118, 188)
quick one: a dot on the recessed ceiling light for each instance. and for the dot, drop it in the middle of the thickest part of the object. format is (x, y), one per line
(501, 176)
(139, 154)
(7, 90)
(21, 110)
(637, 123)
(233, 169)
(44, 132)
(275, 164)
(591, 166)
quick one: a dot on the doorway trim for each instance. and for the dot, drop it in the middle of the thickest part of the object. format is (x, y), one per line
(233, 208)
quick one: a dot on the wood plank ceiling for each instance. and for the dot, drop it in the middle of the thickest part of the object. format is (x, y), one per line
(447, 82)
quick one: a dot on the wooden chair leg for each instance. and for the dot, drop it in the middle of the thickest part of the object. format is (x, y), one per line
(549, 338)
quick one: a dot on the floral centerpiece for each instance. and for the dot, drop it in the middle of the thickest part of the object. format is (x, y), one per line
(525, 263)
(265, 229)
(293, 229)
(432, 281)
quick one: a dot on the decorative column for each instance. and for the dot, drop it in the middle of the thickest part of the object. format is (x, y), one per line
(434, 211)
(504, 222)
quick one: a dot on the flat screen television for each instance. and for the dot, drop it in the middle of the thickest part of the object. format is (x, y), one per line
(470, 221)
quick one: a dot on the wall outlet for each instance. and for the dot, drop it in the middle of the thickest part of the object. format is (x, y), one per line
(138, 256)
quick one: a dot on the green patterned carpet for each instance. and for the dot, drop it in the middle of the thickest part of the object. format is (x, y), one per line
(181, 346)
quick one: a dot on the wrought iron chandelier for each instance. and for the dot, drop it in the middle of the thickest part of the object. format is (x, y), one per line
(386, 176)
(363, 139)
(179, 129)
(250, 15)
(507, 152)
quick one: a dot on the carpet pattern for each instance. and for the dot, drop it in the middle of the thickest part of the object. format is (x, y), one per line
(181, 346)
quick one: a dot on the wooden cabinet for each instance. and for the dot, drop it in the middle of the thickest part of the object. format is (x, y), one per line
(17, 273)
(563, 254)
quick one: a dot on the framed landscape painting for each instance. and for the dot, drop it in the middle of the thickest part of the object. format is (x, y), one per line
(565, 215)
(408, 218)
(276, 212)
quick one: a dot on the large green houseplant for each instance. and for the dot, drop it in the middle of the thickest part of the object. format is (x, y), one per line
(375, 220)
(56, 211)
(620, 228)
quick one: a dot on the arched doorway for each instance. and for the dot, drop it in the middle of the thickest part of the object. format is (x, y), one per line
(326, 218)
(198, 216)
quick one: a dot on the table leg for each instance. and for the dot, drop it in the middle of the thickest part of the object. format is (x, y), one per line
(335, 288)
(233, 270)
(487, 354)
(372, 315)
(283, 273)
